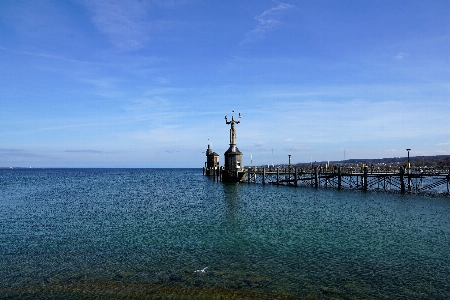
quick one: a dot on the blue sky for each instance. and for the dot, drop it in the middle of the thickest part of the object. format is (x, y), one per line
(148, 83)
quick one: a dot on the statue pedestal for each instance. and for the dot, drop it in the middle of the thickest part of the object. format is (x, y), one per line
(233, 169)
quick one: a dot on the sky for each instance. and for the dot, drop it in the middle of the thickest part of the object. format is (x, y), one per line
(147, 84)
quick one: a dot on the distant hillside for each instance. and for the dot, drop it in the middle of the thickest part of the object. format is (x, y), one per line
(437, 160)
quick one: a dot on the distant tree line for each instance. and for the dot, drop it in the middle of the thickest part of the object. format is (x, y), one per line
(416, 161)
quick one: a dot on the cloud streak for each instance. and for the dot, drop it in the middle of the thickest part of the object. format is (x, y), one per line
(17, 154)
(266, 21)
(85, 151)
(124, 22)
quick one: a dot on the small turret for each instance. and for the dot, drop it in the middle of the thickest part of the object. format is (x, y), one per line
(212, 162)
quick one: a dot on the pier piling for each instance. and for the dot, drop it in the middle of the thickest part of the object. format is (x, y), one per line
(339, 178)
(316, 177)
(364, 179)
(264, 176)
(402, 180)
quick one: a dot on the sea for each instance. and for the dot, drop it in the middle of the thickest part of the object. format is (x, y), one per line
(176, 234)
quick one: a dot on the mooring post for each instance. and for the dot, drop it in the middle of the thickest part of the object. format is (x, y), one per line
(364, 183)
(316, 177)
(289, 173)
(448, 180)
(402, 180)
(339, 178)
(295, 176)
(409, 179)
(264, 176)
(278, 176)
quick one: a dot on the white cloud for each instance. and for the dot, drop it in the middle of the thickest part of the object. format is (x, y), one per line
(124, 22)
(266, 21)
(301, 148)
(401, 55)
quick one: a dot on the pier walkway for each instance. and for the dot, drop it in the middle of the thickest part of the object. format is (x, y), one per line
(402, 180)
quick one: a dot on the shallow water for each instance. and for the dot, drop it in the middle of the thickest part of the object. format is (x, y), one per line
(173, 233)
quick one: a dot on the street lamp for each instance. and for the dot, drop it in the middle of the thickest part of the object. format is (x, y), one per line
(408, 166)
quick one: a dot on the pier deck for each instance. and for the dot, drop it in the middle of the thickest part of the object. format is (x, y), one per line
(402, 180)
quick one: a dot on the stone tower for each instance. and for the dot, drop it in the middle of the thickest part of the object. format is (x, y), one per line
(212, 162)
(233, 169)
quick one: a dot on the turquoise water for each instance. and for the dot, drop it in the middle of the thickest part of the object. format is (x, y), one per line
(175, 234)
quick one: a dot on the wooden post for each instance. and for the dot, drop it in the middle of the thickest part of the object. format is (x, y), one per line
(448, 179)
(278, 176)
(402, 180)
(316, 177)
(295, 176)
(264, 176)
(248, 175)
(289, 175)
(364, 179)
(409, 178)
(339, 178)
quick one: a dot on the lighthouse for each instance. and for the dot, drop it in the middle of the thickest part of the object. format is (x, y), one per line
(233, 169)
(212, 163)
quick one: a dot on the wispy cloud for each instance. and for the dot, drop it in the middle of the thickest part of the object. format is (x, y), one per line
(401, 55)
(17, 153)
(84, 151)
(301, 148)
(124, 22)
(266, 21)
(6, 152)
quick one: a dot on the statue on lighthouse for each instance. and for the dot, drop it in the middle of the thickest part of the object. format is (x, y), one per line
(233, 169)
(233, 128)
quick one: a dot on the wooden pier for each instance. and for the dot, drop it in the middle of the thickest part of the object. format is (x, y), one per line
(401, 179)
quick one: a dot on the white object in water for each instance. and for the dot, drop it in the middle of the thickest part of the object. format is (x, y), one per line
(201, 271)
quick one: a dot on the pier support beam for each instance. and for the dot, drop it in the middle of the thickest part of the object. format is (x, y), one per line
(402, 180)
(316, 177)
(409, 179)
(364, 179)
(448, 181)
(278, 176)
(264, 176)
(339, 178)
(295, 176)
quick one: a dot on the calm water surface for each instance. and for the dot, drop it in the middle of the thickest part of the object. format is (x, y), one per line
(175, 234)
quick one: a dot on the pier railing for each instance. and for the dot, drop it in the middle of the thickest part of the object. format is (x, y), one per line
(418, 180)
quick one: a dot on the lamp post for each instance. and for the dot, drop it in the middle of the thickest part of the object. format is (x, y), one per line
(408, 157)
